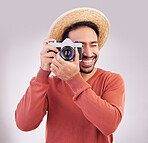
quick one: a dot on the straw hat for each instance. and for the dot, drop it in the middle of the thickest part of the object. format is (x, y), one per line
(77, 15)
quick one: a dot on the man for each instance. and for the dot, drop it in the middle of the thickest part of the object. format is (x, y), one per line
(85, 104)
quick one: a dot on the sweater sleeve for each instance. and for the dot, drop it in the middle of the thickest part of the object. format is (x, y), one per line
(104, 112)
(33, 105)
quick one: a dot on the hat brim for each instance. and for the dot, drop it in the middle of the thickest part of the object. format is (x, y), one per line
(78, 15)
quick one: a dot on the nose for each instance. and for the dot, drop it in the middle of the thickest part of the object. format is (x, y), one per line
(87, 51)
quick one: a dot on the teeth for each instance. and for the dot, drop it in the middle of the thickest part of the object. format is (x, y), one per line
(87, 61)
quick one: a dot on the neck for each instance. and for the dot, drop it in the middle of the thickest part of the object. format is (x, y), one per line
(88, 76)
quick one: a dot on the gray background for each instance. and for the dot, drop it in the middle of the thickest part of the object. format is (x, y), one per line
(23, 27)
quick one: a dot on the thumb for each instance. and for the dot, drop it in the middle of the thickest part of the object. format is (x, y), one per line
(76, 58)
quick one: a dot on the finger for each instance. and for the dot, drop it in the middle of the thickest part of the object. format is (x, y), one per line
(52, 51)
(49, 48)
(56, 63)
(60, 59)
(46, 41)
(52, 71)
(76, 58)
(46, 61)
(50, 55)
(53, 68)
(47, 55)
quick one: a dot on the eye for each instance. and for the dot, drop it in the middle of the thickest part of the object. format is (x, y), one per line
(94, 45)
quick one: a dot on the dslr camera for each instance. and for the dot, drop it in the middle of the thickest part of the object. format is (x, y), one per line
(67, 49)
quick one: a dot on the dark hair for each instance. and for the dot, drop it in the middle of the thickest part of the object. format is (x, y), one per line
(80, 24)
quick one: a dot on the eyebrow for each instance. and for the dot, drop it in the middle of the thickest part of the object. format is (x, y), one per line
(93, 42)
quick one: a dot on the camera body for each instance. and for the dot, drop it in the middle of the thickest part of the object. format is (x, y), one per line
(67, 49)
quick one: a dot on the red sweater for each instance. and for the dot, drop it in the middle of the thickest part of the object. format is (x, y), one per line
(77, 111)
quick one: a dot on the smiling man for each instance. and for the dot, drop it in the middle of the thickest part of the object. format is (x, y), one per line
(84, 104)
(86, 34)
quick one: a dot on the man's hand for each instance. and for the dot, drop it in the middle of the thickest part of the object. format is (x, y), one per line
(46, 57)
(65, 70)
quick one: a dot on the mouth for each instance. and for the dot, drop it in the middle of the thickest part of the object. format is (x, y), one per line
(87, 61)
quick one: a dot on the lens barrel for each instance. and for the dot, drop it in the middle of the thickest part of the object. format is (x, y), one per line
(67, 53)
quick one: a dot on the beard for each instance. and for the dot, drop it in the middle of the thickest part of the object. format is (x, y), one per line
(88, 69)
(86, 72)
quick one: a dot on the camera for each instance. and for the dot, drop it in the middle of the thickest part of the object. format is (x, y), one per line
(67, 49)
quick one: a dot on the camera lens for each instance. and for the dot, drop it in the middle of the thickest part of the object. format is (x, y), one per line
(67, 53)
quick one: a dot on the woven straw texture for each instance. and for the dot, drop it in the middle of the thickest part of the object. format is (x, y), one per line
(77, 15)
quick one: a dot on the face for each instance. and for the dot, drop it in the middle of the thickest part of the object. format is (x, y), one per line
(90, 50)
